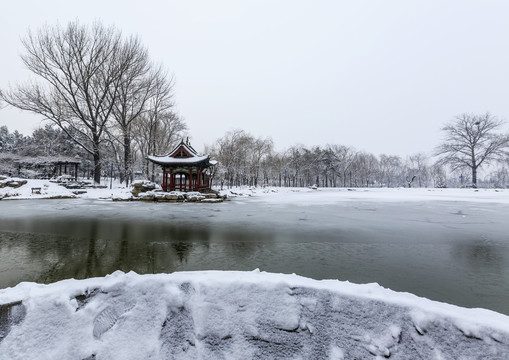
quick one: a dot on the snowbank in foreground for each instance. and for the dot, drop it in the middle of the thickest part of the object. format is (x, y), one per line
(238, 315)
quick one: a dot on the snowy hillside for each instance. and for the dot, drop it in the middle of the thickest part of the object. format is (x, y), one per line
(238, 315)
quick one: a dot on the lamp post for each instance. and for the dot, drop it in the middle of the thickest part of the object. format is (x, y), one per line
(111, 176)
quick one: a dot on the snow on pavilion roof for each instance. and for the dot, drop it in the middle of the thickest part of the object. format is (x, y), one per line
(182, 154)
(167, 160)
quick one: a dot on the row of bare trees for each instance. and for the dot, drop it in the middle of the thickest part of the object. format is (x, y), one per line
(245, 160)
(470, 142)
(101, 89)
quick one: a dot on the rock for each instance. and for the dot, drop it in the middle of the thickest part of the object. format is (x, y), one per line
(149, 186)
(75, 185)
(194, 196)
(210, 196)
(147, 196)
(142, 186)
(13, 182)
(173, 196)
(159, 196)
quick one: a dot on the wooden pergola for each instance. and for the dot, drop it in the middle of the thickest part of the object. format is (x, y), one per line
(52, 166)
(184, 169)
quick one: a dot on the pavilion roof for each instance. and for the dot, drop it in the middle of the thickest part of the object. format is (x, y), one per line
(168, 160)
(183, 154)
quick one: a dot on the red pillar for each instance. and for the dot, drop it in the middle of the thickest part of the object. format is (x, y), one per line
(191, 179)
(198, 175)
(171, 180)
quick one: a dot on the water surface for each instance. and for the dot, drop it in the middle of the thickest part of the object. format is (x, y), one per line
(457, 252)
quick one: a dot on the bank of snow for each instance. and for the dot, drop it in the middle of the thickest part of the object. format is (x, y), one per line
(238, 315)
(45, 189)
(273, 195)
(308, 196)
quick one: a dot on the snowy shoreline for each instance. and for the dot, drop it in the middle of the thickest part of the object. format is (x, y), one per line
(214, 315)
(51, 190)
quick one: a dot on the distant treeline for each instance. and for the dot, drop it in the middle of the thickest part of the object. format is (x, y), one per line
(245, 160)
(51, 141)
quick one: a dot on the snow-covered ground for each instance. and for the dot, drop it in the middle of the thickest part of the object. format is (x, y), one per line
(238, 315)
(243, 315)
(49, 189)
(276, 195)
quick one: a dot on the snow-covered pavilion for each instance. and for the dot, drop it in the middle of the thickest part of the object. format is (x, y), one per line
(184, 169)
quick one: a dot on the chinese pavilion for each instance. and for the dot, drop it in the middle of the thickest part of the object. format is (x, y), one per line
(184, 169)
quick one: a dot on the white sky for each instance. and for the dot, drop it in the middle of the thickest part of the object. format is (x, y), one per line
(382, 76)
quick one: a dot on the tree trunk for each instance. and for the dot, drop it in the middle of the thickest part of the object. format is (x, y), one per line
(127, 158)
(474, 176)
(97, 165)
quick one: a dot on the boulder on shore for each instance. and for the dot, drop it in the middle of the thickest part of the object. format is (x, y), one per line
(12, 182)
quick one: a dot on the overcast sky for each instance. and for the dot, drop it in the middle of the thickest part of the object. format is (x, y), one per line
(382, 76)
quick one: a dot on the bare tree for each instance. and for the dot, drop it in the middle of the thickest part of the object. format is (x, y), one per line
(135, 87)
(470, 142)
(158, 128)
(365, 168)
(260, 149)
(345, 156)
(80, 73)
(231, 152)
(156, 133)
(390, 170)
(243, 159)
(417, 169)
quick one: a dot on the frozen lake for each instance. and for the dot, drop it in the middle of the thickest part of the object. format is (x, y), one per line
(445, 250)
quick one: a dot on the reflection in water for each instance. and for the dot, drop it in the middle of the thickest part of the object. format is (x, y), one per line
(479, 255)
(182, 249)
(95, 248)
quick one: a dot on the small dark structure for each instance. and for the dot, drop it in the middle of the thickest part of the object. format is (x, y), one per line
(49, 166)
(184, 169)
(66, 164)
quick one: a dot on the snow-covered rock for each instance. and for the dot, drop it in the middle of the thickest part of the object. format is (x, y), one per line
(142, 186)
(12, 182)
(238, 315)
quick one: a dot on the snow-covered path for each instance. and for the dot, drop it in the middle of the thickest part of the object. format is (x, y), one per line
(238, 315)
